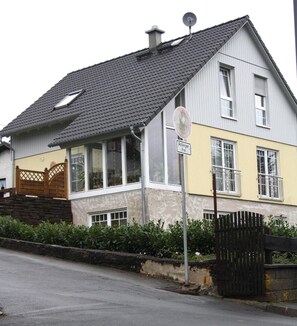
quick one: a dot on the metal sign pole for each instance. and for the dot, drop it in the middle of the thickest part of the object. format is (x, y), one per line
(184, 218)
(182, 124)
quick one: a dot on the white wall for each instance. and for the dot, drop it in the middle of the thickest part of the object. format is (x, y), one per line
(6, 167)
(35, 142)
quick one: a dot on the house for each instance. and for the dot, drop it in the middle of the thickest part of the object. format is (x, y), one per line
(6, 164)
(114, 123)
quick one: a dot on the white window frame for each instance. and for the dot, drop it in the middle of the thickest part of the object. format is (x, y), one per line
(166, 125)
(229, 74)
(108, 216)
(124, 183)
(208, 215)
(226, 171)
(2, 183)
(68, 99)
(272, 183)
(261, 102)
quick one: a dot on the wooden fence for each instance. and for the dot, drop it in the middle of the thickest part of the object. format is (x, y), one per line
(276, 243)
(243, 247)
(240, 255)
(49, 183)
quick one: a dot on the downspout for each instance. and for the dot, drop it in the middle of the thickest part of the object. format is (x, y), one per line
(142, 175)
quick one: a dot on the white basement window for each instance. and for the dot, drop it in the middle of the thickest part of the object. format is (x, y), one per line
(69, 98)
(114, 218)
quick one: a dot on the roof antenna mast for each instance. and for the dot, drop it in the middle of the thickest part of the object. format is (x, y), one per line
(189, 19)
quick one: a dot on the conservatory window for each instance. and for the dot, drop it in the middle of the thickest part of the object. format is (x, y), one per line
(77, 173)
(133, 159)
(95, 166)
(114, 162)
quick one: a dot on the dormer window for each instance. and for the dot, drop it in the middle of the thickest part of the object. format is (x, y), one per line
(68, 99)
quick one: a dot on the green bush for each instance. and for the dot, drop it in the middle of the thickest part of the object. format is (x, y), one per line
(149, 239)
(14, 229)
(283, 229)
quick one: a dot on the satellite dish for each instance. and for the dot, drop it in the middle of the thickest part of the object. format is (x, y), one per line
(189, 19)
(182, 122)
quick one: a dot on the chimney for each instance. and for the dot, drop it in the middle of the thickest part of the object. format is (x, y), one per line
(154, 36)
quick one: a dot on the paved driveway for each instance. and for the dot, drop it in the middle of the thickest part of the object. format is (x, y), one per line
(36, 290)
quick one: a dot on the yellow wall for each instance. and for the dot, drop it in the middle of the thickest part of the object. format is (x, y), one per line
(41, 161)
(198, 165)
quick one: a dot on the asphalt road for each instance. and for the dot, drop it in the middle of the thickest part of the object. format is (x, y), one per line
(36, 290)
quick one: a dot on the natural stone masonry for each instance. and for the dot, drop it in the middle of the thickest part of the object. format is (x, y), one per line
(281, 282)
(34, 210)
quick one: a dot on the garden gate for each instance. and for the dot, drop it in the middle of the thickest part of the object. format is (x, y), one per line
(240, 255)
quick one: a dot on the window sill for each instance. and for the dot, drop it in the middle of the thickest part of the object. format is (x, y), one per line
(229, 118)
(262, 126)
(270, 199)
(105, 191)
(233, 194)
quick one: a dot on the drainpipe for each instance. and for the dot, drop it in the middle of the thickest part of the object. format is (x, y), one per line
(142, 174)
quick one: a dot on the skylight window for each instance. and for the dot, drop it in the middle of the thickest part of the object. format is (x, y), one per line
(177, 42)
(69, 98)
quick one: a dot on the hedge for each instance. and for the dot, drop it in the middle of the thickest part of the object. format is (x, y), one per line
(150, 239)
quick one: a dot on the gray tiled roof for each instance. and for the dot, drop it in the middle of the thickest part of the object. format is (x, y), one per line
(126, 91)
(4, 146)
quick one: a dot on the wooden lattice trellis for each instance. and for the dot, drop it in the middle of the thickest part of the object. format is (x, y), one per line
(50, 183)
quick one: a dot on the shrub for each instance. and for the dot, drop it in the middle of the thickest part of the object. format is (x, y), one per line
(283, 229)
(11, 228)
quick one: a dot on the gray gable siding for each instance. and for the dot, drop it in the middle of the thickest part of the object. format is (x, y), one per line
(35, 142)
(203, 93)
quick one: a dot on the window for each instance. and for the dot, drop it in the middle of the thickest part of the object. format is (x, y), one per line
(3, 183)
(260, 101)
(227, 106)
(223, 165)
(156, 149)
(69, 98)
(133, 159)
(209, 215)
(113, 219)
(269, 183)
(77, 173)
(173, 165)
(106, 164)
(163, 157)
(280, 221)
(95, 166)
(179, 100)
(114, 162)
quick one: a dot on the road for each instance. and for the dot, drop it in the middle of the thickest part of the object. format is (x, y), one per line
(36, 290)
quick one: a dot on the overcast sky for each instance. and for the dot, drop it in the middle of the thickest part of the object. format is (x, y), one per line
(43, 40)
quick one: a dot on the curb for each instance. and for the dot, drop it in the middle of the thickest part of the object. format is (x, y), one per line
(281, 310)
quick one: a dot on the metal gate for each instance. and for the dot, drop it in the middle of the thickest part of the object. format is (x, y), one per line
(240, 255)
